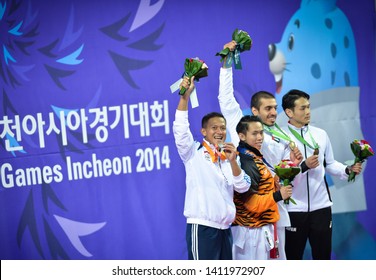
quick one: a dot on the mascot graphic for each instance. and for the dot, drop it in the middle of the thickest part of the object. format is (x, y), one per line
(317, 54)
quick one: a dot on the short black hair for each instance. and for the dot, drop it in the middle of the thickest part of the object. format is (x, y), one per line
(207, 117)
(288, 100)
(255, 100)
(242, 125)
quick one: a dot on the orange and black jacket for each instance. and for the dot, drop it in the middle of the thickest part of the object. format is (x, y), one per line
(258, 206)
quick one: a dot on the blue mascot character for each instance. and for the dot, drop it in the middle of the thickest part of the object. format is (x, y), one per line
(317, 54)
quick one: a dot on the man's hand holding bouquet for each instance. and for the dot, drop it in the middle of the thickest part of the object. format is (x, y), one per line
(243, 43)
(361, 150)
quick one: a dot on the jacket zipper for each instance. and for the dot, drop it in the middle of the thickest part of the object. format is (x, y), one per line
(305, 152)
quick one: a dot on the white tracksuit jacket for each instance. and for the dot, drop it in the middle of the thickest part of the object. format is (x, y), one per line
(310, 188)
(209, 186)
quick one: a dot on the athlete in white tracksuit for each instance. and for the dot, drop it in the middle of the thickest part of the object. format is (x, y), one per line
(210, 183)
(311, 216)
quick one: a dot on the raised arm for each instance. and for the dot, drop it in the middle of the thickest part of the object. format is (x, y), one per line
(227, 102)
(183, 137)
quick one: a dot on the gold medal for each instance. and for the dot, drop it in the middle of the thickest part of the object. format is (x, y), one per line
(316, 151)
(292, 145)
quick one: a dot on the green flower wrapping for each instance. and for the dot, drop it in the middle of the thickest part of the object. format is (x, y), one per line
(243, 43)
(194, 67)
(287, 174)
(286, 171)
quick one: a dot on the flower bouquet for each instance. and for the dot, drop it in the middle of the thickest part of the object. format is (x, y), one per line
(194, 67)
(361, 150)
(243, 43)
(286, 170)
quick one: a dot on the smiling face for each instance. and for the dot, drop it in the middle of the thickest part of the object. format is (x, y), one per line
(267, 111)
(254, 135)
(215, 131)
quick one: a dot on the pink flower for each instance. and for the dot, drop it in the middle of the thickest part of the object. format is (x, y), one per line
(361, 150)
(285, 163)
(286, 171)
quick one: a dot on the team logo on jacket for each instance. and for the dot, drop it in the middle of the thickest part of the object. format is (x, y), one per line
(207, 156)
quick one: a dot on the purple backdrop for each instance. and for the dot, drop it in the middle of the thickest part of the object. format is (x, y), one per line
(105, 182)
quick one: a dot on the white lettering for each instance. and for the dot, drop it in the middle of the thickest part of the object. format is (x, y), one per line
(98, 168)
(6, 179)
(29, 176)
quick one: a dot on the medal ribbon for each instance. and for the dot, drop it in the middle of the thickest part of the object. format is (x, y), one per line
(302, 140)
(279, 132)
(215, 155)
